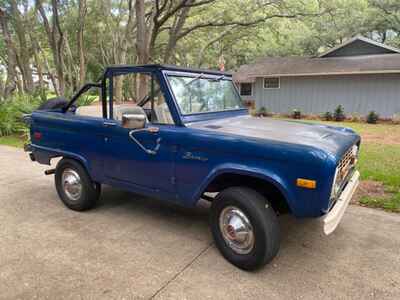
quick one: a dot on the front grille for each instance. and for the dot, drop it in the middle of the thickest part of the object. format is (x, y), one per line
(347, 162)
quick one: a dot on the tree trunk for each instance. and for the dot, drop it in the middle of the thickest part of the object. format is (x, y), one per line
(142, 46)
(11, 81)
(120, 56)
(71, 72)
(59, 42)
(173, 34)
(55, 42)
(38, 63)
(23, 47)
(50, 73)
(81, 49)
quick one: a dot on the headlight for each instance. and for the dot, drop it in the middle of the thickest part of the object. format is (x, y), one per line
(335, 184)
(346, 163)
(354, 149)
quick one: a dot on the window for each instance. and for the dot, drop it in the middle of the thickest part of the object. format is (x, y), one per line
(127, 96)
(89, 104)
(246, 89)
(201, 93)
(272, 83)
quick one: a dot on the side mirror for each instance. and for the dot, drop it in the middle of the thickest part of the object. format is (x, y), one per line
(133, 121)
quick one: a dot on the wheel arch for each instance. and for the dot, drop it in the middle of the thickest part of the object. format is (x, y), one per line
(266, 183)
(44, 155)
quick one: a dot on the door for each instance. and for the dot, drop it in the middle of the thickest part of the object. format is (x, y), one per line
(141, 158)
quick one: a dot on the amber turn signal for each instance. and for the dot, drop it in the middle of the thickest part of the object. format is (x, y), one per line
(306, 183)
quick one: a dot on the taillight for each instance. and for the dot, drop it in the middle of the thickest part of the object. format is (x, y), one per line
(37, 135)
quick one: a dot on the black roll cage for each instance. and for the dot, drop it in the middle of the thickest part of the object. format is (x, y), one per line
(103, 92)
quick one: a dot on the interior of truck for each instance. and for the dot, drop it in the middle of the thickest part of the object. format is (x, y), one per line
(152, 102)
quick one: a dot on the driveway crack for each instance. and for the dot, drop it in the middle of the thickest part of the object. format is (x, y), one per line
(181, 271)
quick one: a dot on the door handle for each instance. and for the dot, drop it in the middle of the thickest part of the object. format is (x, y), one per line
(151, 130)
(109, 123)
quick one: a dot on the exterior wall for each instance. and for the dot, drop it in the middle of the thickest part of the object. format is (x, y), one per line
(358, 94)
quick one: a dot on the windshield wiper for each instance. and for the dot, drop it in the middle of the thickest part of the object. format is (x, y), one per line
(219, 78)
(200, 76)
(195, 79)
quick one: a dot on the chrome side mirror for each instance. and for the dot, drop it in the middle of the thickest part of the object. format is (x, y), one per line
(133, 121)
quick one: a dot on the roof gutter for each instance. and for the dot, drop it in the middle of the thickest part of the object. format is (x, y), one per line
(326, 74)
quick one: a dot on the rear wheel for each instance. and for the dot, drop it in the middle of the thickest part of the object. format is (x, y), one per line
(74, 186)
(245, 227)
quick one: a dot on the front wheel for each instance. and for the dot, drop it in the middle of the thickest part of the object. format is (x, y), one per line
(74, 185)
(245, 227)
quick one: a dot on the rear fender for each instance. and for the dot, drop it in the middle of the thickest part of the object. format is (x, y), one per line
(43, 155)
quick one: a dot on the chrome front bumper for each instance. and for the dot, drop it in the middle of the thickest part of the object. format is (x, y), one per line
(333, 218)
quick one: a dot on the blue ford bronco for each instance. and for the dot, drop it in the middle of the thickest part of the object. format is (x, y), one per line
(185, 136)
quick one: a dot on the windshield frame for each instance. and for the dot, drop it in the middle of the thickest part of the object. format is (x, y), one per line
(226, 77)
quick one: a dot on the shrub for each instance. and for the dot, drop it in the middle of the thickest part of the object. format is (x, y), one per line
(85, 100)
(327, 116)
(372, 117)
(296, 114)
(11, 111)
(338, 114)
(263, 112)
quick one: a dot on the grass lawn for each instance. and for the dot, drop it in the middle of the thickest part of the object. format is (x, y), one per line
(379, 163)
(12, 140)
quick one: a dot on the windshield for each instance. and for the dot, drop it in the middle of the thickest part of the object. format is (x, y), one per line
(204, 94)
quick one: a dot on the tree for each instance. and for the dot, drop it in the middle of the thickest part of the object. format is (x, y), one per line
(11, 83)
(55, 40)
(80, 46)
(70, 42)
(23, 57)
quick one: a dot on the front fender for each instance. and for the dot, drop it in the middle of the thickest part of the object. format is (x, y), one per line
(239, 169)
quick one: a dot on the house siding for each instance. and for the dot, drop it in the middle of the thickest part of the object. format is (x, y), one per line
(358, 94)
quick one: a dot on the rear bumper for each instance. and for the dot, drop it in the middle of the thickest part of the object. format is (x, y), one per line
(28, 148)
(332, 219)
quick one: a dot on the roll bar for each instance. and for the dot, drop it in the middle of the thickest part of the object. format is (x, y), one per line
(82, 90)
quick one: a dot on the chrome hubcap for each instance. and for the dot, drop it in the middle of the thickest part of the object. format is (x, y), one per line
(71, 183)
(236, 230)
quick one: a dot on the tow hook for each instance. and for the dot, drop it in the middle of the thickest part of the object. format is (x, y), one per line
(49, 172)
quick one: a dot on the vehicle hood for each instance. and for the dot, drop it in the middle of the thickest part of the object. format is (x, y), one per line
(334, 140)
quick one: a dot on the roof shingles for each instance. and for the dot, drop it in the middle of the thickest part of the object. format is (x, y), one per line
(315, 66)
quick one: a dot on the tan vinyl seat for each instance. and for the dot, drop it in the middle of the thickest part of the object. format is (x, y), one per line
(122, 109)
(163, 114)
(90, 110)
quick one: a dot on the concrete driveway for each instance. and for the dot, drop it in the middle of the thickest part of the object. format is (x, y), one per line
(131, 247)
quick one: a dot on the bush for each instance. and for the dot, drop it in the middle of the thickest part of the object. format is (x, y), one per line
(11, 111)
(296, 114)
(86, 100)
(338, 114)
(327, 116)
(263, 112)
(372, 117)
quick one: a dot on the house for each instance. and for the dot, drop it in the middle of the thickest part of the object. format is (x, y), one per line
(360, 74)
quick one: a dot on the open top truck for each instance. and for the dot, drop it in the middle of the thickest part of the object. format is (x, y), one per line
(188, 137)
